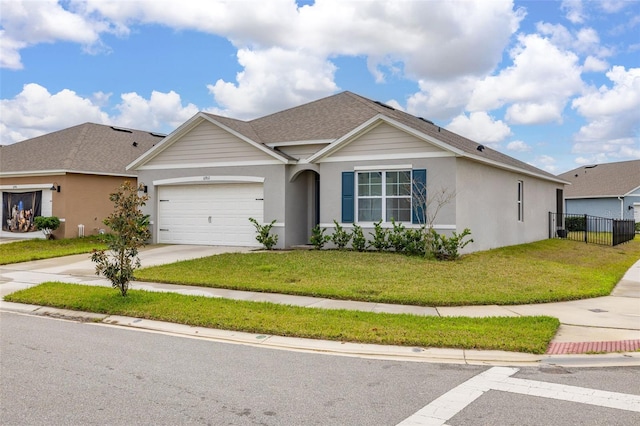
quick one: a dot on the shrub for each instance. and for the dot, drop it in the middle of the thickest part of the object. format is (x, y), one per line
(380, 237)
(318, 239)
(447, 248)
(340, 237)
(47, 224)
(576, 223)
(358, 242)
(398, 237)
(264, 237)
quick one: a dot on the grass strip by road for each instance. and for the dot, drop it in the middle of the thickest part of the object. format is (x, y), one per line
(544, 271)
(37, 249)
(519, 334)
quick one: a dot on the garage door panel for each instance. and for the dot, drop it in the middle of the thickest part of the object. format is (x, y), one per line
(216, 214)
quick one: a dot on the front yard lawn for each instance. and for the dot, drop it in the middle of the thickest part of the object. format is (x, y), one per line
(544, 271)
(27, 250)
(520, 334)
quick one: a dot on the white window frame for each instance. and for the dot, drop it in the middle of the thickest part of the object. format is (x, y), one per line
(383, 197)
(520, 201)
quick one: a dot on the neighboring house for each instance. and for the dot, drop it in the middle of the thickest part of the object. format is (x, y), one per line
(343, 158)
(69, 174)
(610, 190)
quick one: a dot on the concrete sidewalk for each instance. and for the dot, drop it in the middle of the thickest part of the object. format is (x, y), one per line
(604, 324)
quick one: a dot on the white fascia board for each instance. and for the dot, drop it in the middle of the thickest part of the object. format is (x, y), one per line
(629, 194)
(208, 179)
(300, 143)
(62, 173)
(33, 173)
(386, 157)
(370, 124)
(205, 165)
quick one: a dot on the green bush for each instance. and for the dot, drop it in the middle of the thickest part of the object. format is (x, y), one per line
(576, 223)
(448, 248)
(318, 238)
(358, 241)
(340, 237)
(380, 237)
(47, 224)
(264, 237)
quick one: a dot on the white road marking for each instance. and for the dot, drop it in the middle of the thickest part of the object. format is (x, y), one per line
(499, 378)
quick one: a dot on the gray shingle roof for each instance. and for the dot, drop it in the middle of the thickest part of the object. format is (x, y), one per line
(608, 179)
(89, 147)
(335, 116)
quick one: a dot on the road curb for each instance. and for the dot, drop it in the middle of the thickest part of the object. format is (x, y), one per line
(360, 350)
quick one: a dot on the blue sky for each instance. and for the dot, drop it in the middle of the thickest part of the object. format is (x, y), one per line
(555, 84)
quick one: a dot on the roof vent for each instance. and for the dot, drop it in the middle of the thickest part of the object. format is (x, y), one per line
(135, 144)
(120, 129)
(158, 135)
(480, 148)
(593, 166)
(385, 105)
(425, 120)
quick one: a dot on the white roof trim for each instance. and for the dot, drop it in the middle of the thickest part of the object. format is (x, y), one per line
(377, 157)
(204, 165)
(514, 169)
(630, 192)
(383, 168)
(208, 179)
(61, 173)
(186, 128)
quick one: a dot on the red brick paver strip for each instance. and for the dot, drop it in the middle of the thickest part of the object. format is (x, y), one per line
(557, 348)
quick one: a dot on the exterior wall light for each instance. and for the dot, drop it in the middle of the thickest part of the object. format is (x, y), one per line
(55, 187)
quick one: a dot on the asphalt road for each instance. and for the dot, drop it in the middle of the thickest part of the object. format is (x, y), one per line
(58, 372)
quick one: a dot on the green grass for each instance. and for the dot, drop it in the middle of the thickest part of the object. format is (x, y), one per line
(544, 271)
(27, 250)
(520, 334)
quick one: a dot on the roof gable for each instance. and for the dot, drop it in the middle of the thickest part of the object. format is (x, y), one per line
(603, 180)
(208, 144)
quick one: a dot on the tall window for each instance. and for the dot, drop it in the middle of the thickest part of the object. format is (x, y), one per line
(520, 201)
(384, 195)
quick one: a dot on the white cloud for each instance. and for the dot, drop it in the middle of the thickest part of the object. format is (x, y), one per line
(480, 127)
(537, 85)
(441, 100)
(574, 9)
(612, 116)
(594, 65)
(26, 23)
(35, 111)
(546, 162)
(518, 146)
(159, 110)
(272, 80)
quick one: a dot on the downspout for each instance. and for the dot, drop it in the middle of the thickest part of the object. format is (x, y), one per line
(621, 207)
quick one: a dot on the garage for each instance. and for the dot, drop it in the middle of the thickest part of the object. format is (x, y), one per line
(209, 214)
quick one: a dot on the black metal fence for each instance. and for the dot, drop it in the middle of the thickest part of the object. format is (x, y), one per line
(591, 229)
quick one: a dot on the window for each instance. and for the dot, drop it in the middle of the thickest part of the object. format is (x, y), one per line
(520, 201)
(384, 196)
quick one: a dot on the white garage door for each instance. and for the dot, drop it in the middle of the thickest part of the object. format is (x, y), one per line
(213, 214)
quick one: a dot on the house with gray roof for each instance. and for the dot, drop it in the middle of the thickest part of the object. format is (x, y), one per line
(610, 190)
(344, 158)
(69, 174)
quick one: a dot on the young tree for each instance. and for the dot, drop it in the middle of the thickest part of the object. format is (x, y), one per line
(129, 232)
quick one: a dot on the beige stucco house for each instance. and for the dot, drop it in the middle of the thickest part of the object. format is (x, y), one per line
(69, 174)
(343, 158)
